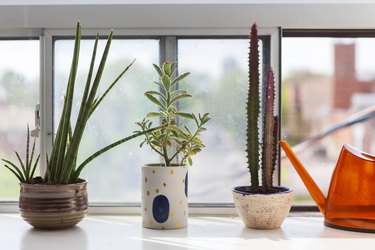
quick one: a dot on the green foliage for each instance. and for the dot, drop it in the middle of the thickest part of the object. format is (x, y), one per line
(62, 163)
(175, 134)
(25, 170)
(260, 154)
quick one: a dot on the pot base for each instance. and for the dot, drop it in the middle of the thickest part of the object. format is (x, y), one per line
(262, 211)
(53, 206)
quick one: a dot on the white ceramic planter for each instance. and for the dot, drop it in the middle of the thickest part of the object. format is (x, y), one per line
(164, 196)
(262, 211)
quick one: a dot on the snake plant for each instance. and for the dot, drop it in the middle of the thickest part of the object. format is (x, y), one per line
(260, 154)
(62, 167)
(25, 170)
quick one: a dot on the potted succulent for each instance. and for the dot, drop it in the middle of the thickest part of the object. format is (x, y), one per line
(165, 185)
(59, 199)
(261, 206)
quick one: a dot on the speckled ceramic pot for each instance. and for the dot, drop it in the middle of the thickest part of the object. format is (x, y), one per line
(262, 211)
(53, 206)
(164, 196)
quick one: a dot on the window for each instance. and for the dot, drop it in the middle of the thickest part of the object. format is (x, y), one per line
(328, 78)
(219, 72)
(218, 83)
(19, 92)
(114, 176)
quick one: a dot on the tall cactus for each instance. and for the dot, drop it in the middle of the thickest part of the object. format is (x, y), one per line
(269, 121)
(253, 109)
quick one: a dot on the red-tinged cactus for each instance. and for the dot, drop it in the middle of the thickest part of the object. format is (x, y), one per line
(270, 133)
(253, 109)
(267, 160)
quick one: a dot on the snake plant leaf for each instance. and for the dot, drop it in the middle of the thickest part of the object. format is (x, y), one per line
(111, 86)
(15, 168)
(110, 146)
(20, 161)
(18, 176)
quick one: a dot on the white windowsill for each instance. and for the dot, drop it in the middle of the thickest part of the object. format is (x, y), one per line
(125, 232)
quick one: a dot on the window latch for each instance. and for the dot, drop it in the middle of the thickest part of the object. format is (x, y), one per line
(35, 132)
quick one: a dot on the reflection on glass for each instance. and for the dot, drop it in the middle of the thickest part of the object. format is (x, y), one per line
(218, 83)
(325, 81)
(114, 176)
(19, 91)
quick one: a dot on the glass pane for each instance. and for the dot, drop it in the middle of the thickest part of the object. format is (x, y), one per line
(19, 93)
(218, 83)
(325, 81)
(114, 176)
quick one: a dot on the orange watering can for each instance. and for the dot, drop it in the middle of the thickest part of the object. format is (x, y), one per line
(350, 203)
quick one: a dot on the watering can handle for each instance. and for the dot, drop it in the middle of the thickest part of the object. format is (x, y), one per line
(310, 184)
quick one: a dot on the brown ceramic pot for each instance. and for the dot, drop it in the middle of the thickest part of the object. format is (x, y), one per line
(53, 206)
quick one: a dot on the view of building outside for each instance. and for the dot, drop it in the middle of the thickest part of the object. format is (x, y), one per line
(114, 176)
(19, 93)
(325, 81)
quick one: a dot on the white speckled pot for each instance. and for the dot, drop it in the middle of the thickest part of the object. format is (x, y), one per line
(263, 211)
(164, 196)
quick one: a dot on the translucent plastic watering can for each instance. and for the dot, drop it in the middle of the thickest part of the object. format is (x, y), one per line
(350, 202)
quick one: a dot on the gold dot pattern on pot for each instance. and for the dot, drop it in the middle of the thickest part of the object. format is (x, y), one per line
(157, 190)
(172, 172)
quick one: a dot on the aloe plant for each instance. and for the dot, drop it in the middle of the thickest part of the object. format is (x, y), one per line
(62, 165)
(260, 154)
(175, 135)
(25, 170)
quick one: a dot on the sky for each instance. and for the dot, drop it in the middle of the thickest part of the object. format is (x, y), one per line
(315, 54)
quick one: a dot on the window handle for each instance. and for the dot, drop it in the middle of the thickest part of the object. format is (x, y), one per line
(35, 132)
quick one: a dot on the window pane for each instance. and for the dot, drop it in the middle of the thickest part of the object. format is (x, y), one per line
(218, 83)
(19, 93)
(325, 81)
(114, 176)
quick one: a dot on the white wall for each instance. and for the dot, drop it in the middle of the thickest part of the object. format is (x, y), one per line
(179, 16)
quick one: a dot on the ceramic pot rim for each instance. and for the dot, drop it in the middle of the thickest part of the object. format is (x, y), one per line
(83, 183)
(160, 165)
(288, 190)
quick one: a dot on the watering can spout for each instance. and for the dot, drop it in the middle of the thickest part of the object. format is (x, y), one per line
(310, 184)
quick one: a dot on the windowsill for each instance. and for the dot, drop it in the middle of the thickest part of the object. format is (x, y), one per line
(125, 232)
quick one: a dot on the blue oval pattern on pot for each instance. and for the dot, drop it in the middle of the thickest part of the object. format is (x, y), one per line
(160, 208)
(186, 185)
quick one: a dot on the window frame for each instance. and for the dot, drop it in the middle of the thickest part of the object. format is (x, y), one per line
(168, 51)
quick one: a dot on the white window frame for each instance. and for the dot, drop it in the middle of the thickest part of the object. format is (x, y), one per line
(46, 21)
(168, 51)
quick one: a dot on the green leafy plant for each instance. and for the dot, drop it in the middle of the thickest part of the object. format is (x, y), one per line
(263, 153)
(62, 167)
(25, 170)
(175, 135)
